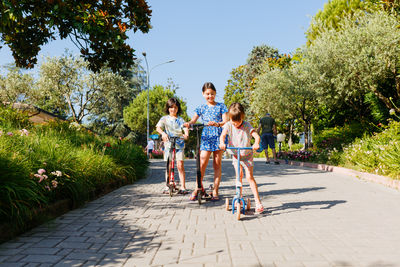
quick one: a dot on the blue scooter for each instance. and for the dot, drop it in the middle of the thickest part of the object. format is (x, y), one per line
(238, 203)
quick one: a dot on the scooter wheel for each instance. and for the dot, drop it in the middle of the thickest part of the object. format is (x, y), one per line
(248, 204)
(238, 211)
(171, 190)
(227, 203)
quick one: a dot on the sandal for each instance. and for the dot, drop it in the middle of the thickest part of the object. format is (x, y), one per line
(259, 208)
(193, 197)
(166, 190)
(213, 198)
(183, 191)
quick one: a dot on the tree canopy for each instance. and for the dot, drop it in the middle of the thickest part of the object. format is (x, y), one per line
(135, 115)
(334, 12)
(363, 57)
(97, 28)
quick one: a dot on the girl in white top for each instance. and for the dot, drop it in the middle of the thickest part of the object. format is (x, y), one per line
(171, 125)
(239, 135)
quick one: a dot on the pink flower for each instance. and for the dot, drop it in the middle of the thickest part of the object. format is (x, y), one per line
(10, 134)
(24, 132)
(40, 177)
(41, 171)
(47, 187)
(54, 183)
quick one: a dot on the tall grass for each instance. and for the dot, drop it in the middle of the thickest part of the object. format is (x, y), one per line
(41, 164)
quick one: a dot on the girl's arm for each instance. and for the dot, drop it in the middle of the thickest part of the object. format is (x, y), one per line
(186, 133)
(224, 119)
(192, 121)
(219, 124)
(163, 134)
(256, 144)
(222, 139)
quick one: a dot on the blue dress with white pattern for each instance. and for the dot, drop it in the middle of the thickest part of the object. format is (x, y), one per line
(210, 134)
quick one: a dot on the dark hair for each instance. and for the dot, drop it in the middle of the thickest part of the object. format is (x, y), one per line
(172, 101)
(236, 112)
(208, 85)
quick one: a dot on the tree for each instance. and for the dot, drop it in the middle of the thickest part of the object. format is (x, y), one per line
(135, 115)
(334, 12)
(108, 118)
(361, 58)
(235, 90)
(15, 86)
(261, 59)
(67, 87)
(97, 28)
(288, 94)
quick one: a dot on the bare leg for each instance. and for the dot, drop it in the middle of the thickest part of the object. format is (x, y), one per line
(266, 154)
(217, 159)
(274, 153)
(181, 170)
(253, 184)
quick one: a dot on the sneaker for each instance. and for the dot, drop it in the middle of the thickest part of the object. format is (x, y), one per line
(165, 190)
(277, 162)
(267, 162)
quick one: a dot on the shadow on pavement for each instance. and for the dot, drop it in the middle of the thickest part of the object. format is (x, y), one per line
(300, 206)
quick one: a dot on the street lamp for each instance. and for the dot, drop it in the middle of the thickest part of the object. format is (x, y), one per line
(148, 88)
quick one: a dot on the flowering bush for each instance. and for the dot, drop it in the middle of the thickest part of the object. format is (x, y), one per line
(158, 154)
(42, 164)
(379, 153)
(51, 182)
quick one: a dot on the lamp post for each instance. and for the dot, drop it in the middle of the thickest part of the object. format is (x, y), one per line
(148, 93)
(281, 138)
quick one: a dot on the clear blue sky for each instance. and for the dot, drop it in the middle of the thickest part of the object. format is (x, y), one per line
(208, 38)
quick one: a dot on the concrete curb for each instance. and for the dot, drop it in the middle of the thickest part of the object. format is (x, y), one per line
(387, 181)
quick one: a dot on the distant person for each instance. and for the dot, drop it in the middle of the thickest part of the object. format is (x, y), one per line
(239, 134)
(150, 148)
(171, 125)
(213, 114)
(268, 132)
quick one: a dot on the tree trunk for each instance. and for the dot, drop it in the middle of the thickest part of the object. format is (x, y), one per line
(290, 141)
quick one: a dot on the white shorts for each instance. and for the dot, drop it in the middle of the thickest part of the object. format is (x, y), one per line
(179, 152)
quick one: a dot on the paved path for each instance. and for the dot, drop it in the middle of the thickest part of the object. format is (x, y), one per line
(313, 218)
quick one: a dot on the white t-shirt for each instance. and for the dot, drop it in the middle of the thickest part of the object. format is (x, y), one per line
(150, 145)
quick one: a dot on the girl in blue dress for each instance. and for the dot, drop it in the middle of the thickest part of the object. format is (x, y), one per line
(214, 116)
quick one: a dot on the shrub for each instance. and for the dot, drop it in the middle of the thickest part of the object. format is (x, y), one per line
(378, 154)
(42, 164)
(337, 137)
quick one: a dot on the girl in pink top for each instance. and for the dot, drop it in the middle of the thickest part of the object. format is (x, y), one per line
(239, 134)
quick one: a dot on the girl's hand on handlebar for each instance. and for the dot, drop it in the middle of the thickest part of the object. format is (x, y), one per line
(164, 137)
(186, 124)
(212, 123)
(222, 146)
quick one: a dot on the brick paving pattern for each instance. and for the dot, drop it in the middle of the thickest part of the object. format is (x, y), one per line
(312, 218)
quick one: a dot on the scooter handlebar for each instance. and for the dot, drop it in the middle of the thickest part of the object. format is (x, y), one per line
(239, 148)
(196, 126)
